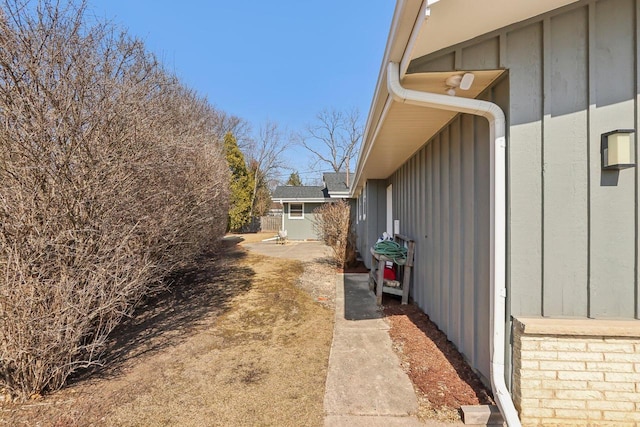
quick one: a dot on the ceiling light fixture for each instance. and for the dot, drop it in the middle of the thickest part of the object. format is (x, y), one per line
(462, 81)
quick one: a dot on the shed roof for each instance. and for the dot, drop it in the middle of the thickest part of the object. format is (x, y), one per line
(300, 193)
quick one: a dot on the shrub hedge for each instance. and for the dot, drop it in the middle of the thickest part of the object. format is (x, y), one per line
(111, 177)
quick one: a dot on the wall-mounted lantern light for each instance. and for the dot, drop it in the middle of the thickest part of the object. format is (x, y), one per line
(618, 149)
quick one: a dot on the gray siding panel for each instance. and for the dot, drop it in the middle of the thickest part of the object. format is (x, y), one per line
(443, 63)
(482, 56)
(430, 303)
(612, 206)
(436, 233)
(445, 233)
(467, 255)
(419, 278)
(524, 55)
(565, 173)
(415, 210)
(455, 185)
(637, 226)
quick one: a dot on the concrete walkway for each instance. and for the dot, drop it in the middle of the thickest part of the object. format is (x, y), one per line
(365, 384)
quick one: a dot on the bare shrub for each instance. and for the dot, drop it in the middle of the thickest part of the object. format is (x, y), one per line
(111, 177)
(333, 225)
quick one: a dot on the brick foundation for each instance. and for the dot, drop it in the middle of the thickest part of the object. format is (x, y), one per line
(576, 371)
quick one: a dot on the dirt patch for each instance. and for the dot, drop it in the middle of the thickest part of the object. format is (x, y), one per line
(319, 281)
(237, 341)
(442, 379)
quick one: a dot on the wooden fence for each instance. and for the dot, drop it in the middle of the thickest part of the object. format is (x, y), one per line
(270, 223)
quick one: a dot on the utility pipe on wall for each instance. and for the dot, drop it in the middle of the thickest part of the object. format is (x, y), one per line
(282, 225)
(494, 114)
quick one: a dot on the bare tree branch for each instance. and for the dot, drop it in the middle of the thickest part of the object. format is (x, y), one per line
(226, 123)
(266, 156)
(333, 138)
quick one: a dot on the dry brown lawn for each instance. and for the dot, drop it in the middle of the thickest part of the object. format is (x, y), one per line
(235, 342)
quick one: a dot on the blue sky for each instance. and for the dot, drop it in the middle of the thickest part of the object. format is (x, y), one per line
(278, 60)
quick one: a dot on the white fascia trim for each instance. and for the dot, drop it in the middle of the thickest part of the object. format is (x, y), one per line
(391, 53)
(366, 151)
(497, 182)
(303, 200)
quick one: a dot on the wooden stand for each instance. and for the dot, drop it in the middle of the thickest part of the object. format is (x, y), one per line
(376, 275)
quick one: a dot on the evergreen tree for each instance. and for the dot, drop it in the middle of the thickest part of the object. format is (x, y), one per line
(241, 185)
(294, 179)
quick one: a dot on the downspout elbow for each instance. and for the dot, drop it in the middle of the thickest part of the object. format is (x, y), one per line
(477, 107)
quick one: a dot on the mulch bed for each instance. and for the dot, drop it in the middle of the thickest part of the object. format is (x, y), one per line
(434, 365)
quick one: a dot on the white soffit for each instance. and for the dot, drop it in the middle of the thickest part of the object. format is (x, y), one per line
(435, 82)
(407, 128)
(454, 21)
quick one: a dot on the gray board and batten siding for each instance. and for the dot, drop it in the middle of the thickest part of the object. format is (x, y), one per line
(371, 227)
(572, 75)
(572, 236)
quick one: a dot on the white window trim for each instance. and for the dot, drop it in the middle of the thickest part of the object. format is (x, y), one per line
(289, 210)
(364, 202)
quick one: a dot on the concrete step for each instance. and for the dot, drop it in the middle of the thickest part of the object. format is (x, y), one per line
(482, 415)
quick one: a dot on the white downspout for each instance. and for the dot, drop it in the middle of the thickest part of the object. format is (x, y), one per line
(282, 225)
(494, 114)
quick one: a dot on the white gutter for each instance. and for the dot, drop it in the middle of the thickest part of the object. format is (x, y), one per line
(424, 13)
(302, 200)
(494, 114)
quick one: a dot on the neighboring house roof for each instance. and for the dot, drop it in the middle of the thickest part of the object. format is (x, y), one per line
(336, 183)
(395, 131)
(299, 193)
(335, 187)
